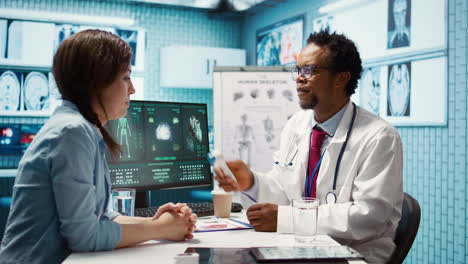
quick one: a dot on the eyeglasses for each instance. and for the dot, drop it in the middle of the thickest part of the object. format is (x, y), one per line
(307, 71)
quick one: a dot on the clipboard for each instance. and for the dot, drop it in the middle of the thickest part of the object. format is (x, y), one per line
(304, 254)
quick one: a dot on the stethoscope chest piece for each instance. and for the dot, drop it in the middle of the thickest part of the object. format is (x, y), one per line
(330, 198)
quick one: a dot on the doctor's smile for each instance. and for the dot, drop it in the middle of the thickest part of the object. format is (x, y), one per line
(302, 92)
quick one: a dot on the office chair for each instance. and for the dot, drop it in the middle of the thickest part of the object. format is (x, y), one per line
(407, 229)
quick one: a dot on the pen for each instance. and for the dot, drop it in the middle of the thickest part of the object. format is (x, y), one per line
(250, 197)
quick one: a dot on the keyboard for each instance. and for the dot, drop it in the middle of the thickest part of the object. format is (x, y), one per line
(201, 209)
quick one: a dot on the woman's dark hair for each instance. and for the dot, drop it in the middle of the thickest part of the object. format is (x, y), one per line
(343, 56)
(85, 64)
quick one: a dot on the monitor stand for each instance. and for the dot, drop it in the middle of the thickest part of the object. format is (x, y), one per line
(143, 199)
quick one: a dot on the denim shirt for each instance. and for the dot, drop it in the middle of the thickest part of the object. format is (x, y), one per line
(61, 194)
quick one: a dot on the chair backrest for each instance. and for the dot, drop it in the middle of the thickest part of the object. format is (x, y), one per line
(407, 229)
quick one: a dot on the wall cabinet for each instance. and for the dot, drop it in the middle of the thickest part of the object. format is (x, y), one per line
(192, 67)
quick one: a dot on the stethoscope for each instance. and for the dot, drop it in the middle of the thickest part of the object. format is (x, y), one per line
(331, 196)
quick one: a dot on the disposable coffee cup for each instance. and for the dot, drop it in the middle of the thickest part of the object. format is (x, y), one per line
(222, 202)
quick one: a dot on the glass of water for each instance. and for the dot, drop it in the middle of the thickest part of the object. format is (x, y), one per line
(305, 214)
(123, 201)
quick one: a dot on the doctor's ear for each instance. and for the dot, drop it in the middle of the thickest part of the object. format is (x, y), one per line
(342, 79)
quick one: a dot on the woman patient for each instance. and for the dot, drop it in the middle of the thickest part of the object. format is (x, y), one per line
(61, 196)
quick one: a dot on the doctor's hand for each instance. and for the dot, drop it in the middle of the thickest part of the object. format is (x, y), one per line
(263, 217)
(244, 176)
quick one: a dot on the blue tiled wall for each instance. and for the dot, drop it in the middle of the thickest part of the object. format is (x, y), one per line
(435, 158)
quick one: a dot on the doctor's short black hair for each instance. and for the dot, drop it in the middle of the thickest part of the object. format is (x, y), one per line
(344, 56)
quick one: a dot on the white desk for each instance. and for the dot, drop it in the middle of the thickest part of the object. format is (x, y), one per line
(164, 251)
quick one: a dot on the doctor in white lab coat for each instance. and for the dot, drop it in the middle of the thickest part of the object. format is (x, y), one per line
(368, 191)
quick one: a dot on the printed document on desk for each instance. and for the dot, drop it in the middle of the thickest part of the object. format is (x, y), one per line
(212, 224)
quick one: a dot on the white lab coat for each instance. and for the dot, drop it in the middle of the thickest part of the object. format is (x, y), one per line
(369, 185)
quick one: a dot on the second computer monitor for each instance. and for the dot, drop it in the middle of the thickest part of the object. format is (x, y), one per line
(164, 145)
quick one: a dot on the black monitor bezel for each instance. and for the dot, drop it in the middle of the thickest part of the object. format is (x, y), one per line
(182, 185)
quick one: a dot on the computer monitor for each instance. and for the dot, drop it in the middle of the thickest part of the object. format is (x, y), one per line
(14, 140)
(164, 145)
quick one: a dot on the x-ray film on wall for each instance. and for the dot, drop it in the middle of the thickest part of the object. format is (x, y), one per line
(421, 102)
(387, 28)
(406, 93)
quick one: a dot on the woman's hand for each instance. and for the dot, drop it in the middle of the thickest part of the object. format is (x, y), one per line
(170, 207)
(176, 226)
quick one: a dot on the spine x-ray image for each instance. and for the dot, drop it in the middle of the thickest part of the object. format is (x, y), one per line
(399, 90)
(399, 23)
(123, 132)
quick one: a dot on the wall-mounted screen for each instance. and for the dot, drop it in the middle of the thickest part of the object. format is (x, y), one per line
(280, 44)
(14, 139)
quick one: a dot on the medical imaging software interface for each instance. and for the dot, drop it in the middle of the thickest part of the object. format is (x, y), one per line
(163, 145)
(14, 140)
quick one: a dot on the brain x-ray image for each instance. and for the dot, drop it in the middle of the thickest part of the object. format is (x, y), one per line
(399, 23)
(10, 91)
(399, 90)
(369, 87)
(36, 92)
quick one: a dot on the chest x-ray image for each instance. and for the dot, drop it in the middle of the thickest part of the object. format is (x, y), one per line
(163, 131)
(268, 49)
(36, 92)
(129, 36)
(10, 90)
(399, 90)
(323, 24)
(269, 129)
(195, 133)
(399, 24)
(64, 31)
(369, 90)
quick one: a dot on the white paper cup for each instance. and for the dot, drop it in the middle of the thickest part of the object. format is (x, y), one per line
(222, 202)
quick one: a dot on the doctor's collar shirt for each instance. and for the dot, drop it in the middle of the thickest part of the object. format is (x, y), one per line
(329, 126)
